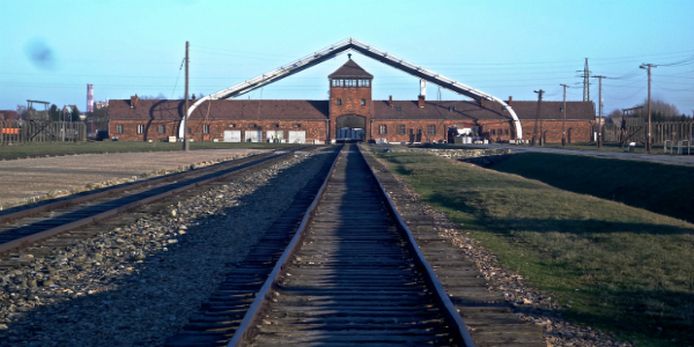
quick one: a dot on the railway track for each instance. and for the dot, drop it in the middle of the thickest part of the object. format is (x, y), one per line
(21, 227)
(350, 273)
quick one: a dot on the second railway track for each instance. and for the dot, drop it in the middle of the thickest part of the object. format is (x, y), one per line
(351, 274)
(20, 227)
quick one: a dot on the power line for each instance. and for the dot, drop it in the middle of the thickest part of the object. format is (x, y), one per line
(173, 95)
(684, 62)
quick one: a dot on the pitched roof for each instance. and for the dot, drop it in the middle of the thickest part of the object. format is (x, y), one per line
(9, 115)
(221, 109)
(350, 69)
(452, 109)
(406, 109)
(318, 110)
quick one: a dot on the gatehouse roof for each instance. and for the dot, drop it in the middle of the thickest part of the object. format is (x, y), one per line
(350, 69)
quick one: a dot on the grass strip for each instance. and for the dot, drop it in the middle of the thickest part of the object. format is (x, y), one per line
(609, 265)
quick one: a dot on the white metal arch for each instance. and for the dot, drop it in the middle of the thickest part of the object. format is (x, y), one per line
(334, 50)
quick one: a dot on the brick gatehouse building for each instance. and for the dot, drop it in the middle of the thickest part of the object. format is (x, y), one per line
(350, 113)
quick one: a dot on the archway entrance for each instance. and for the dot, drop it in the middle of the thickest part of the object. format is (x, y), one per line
(350, 128)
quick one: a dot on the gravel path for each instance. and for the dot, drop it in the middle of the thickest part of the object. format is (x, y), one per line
(33, 179)
(137, 282)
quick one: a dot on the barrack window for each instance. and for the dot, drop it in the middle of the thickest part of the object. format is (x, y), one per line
(401, 129)
(431, 129)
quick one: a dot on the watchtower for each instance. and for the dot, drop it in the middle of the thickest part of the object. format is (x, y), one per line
(351, 107)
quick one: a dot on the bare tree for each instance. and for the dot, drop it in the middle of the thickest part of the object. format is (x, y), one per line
(616, 113)
(664, 111)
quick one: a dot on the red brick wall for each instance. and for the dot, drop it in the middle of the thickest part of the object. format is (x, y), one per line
(315, 129)
(393, 135)
(577, 131)
(497, 130)
(151, 130)
(351, 104)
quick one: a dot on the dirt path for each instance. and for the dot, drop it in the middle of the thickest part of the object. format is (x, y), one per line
(28, 180)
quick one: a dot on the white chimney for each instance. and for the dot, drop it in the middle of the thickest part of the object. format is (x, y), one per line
(90, 97)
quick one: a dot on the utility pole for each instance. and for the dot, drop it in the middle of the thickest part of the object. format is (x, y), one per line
(64, 118)
(563, 119)
(186, 146)
(649, 140)
(600, 119)
(537, 118)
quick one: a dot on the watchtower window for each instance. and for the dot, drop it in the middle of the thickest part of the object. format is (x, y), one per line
(350, 83)
(338, 101)
(362, 102)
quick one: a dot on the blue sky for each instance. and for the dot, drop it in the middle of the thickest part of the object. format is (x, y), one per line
(51, 49)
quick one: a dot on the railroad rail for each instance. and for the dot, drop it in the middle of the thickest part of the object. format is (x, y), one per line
(23, 226)
(345, 271)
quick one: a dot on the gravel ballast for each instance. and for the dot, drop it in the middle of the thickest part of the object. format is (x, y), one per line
(138, 280)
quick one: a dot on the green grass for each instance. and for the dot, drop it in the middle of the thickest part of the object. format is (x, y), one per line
(53, 149)
(623, 269)
(665, 189)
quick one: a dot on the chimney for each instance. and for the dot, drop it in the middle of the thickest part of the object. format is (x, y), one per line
(510, 100)
(390, 100)
(134, 100)
(420, 101)
(90, 97)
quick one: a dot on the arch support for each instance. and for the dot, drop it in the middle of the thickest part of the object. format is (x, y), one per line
(369, 51)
